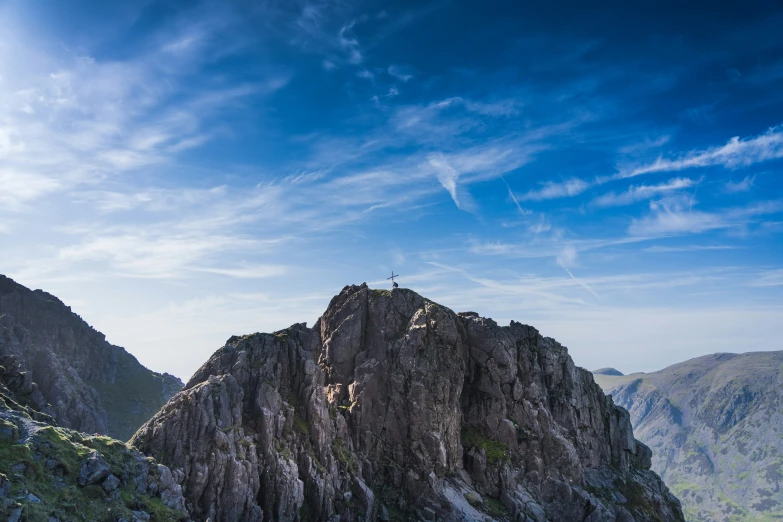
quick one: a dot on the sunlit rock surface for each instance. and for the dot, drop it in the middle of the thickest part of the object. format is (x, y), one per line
(392, 407)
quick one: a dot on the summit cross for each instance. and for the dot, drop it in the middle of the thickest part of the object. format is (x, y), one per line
(394, 284)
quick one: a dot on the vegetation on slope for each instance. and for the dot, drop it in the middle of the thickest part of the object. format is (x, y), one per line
(43, 470)
(134, 396)
(715, 426)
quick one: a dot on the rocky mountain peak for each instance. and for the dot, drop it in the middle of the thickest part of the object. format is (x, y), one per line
(393, 407)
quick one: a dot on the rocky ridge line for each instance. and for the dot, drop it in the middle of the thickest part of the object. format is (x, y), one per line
(392, 407)
(70, 371)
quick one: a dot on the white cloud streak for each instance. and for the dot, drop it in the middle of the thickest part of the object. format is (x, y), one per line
(642, 192)
(553, 190)
(401, 73)
(733, 187)
(769, 278)
(676, 216)
(735, 153)
(660, 249)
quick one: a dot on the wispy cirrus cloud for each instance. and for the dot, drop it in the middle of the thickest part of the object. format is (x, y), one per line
(536, 293)
(642, 192)
(645, 145)
(769, 278)
(735, 153)
(448, 176)
(246, 271)
(553, 190)
(20, 186)
(401, 73)
(349, 43)
(744, 185)
(156, 255)
(677, 215)
(444, 119)
(322, 29)
(72, 120)
(660, 249)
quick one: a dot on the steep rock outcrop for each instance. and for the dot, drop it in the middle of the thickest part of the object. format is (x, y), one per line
(715, 424)
(72, 373)
(393, 407)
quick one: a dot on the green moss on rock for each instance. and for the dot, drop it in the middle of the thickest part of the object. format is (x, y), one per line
(495, 450)
(43, 466)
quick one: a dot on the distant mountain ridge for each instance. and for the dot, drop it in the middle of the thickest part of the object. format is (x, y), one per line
(715, 424)
(70, 371)
(607, 371)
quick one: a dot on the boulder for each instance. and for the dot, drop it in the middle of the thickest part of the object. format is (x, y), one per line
(93, 470)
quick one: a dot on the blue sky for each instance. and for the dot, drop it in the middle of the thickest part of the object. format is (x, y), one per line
(179, 172)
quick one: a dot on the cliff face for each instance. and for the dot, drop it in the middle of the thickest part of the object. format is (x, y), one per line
(72, 373)
(714, 424)
(395, 408)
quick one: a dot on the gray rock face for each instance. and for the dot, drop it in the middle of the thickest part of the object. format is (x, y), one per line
(393, 407)
(714, 424)
(68, 370)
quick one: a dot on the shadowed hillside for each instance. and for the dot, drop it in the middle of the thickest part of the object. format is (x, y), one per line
(70, 371)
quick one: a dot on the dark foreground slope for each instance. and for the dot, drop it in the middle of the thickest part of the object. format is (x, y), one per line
(70, 371)
(715, 424)
(53, 474)
(395, 408)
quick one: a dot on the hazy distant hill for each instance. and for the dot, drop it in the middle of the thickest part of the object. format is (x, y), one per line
(715, 425)
(70, 371)
(607, 371)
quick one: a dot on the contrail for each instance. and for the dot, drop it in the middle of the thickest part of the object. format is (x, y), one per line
(522, 210)
(584, 285)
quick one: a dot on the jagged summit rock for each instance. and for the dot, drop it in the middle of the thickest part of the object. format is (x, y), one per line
(69, 371)
(392, 407)
(607, 371)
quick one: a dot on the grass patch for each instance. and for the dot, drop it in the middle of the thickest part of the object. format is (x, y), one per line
(495, 508)
(48, 465)
(344, 455)
(300, 425)
(495, 450)
(474, 500)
